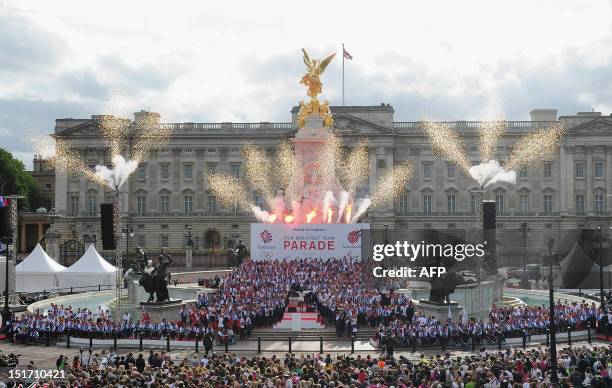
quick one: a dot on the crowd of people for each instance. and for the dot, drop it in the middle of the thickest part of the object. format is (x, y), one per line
(576, 367)
(409, 329)
(256, 293)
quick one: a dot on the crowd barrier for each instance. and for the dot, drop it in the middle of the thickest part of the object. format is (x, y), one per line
(288, 343)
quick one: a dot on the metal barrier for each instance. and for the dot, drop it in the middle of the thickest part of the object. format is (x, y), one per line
(257, 344)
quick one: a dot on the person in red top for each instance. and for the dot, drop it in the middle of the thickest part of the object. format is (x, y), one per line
(362, 376)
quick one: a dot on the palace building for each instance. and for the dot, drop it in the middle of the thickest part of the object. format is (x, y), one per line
(167, 199)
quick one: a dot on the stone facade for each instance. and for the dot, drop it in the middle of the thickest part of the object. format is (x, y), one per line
(168, 191)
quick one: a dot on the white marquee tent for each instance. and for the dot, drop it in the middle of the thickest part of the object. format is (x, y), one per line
(38, 272)
(90, 270)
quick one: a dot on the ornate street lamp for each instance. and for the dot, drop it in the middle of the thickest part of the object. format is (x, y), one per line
(126, 233)
(52, 215)
(600, 244)
(189, 240)
(551, 328)
(524, 230)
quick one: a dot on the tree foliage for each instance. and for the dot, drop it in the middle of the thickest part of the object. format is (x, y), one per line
(14, 179)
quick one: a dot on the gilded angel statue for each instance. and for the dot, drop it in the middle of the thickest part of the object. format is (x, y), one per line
(314, 68)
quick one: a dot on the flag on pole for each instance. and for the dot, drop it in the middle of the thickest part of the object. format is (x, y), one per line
(346, 54)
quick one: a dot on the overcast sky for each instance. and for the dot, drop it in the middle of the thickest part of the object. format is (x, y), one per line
(240, 61)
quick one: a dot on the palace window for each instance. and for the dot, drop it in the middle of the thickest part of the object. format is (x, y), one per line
(427, 203)
(165, 171)
(580, 203)
(450, 170)
(548, 204)
(523, 172)
(73, 204)
(524, 203)
(473, 203)
(92, 202)
(141, 204)
(499, 203)
(188, 204)
(599, 169)
(212, 204)
(235, 170)
(164, 203)
(450, 203)
(579, 169)
(547, 170)
(598, 204)
(142, 172)
(427, 170)
(403, 204)
(188, 171)
(257, 200)
(164, 241)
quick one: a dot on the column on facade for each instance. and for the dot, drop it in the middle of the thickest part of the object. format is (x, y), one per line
(608, 174)
(571, 180)
(563, 206)
(589, 171)
(373, 171)
(40, 231)
(389, 164)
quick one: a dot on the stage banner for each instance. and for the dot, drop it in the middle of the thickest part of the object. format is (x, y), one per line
(307, 241)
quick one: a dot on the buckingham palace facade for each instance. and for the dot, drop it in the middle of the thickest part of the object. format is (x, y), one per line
(169, 198)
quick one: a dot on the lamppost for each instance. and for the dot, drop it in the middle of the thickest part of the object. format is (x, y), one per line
(386, 234)
(7, 240)
(524, 230)
(601, 242)
(52, 215)
(189, 240)
(551, 304)
(126, 233)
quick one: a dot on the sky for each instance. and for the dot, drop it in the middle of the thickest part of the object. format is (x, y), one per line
(240, 61)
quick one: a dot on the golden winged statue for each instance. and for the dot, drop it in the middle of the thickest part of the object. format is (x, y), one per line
(312, 80)
(314, 68)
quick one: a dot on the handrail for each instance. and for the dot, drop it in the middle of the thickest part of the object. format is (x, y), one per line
(516, 124)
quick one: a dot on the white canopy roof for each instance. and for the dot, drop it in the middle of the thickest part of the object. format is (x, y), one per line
(39, 262)
(91, 262)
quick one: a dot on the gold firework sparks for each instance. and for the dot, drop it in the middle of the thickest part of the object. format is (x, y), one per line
(491, 129)
(490, 132)
(149, 134)
(287, 175)
(356, 168)
(329, 159)
(535, 148)
(257, 169)
(66, 157)
(229, 190)
(115, 132)
(392, 183)
(446, 142)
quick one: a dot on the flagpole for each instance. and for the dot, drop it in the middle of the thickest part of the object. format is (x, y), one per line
(342, 74)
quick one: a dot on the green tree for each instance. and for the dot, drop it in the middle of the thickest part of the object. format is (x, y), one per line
(14, 179)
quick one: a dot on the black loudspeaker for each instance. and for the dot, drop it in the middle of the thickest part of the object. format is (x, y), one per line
(488, 236)
(488, 214)
(108, 229)
(6, 228)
